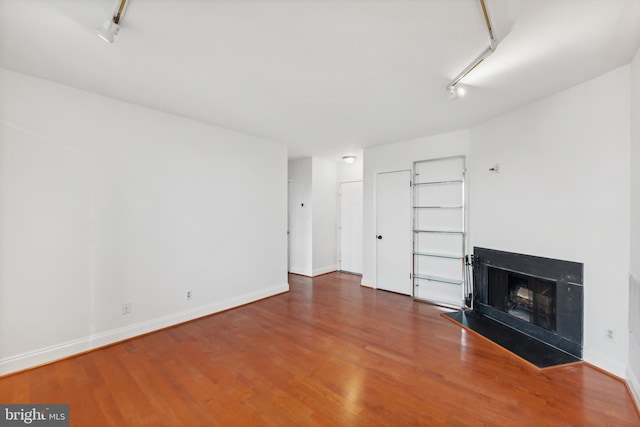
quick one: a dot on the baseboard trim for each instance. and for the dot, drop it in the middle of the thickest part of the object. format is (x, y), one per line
(324, 270)
(633, 384)
(299, 271)
(604, 364)
(367, 283)
(604, 372)
(68, 349)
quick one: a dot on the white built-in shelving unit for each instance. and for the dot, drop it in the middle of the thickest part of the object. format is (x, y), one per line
(439, 231)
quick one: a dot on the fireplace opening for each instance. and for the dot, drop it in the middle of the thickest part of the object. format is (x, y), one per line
(527, 298)
(539, 297)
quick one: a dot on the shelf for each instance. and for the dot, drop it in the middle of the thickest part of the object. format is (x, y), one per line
(437, 207)
(439, 218)
(438, 279)
(429, 254)
(439, 231)
(441, 303)
(455, 181)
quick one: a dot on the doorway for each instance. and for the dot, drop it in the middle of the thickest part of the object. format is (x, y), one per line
(393, 231)
(350, 256)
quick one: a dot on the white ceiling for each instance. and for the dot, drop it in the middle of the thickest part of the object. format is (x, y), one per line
(324, 77)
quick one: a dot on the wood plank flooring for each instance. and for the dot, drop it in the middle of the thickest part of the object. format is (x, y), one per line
(328, 353)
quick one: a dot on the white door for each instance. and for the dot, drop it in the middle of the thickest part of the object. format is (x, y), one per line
(351, 227)
(393, 231)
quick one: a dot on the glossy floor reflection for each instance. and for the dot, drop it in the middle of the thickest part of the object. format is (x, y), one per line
(327, 353)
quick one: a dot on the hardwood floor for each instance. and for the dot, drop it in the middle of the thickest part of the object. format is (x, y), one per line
(329, 353)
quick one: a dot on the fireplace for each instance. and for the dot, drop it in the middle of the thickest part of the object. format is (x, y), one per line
(539, 297)
(528, 298)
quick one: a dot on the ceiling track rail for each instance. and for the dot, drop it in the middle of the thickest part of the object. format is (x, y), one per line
(118, 15)
(484, 55)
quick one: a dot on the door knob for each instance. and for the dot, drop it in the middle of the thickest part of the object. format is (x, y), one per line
(379, 237)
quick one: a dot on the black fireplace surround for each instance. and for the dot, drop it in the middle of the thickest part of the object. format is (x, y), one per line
(539, 297)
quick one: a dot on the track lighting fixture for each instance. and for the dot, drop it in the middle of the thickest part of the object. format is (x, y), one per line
(453, 87)
(110, 28)
(108, 31)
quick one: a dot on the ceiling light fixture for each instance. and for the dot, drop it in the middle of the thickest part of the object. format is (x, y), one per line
(108, 31)
(457, 91)
(349, 159)
(493, 44)
(110, 28)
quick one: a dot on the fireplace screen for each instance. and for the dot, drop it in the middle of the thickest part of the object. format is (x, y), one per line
(525, 297)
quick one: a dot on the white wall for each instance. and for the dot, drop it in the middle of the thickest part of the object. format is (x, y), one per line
(635, 168)
(313, 213)
(103, 202)
(633, 373)
(395, 157)
(300, 217)
(563, 192)
(325, 216)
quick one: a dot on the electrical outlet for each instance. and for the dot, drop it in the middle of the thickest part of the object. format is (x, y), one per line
(188, 295)
(126, 308)
(610, 334)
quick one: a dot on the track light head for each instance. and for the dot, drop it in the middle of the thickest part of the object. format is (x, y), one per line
(111, 26)
(457, 91)
(108, 31)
